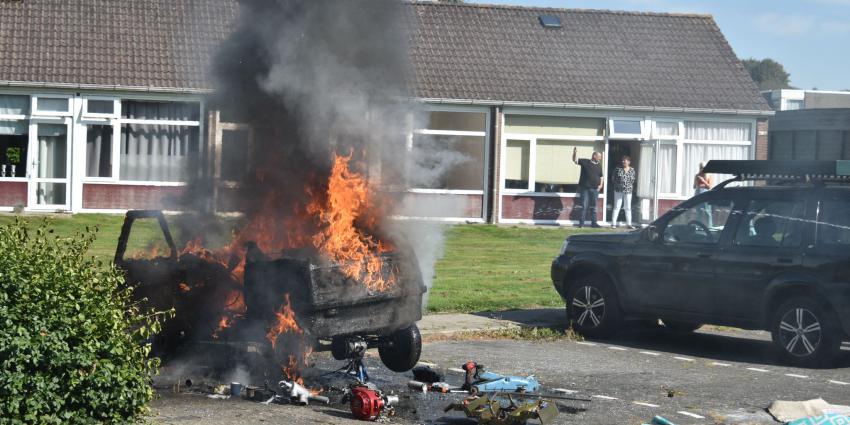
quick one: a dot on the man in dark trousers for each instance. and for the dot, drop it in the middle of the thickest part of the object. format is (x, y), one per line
(589, 185)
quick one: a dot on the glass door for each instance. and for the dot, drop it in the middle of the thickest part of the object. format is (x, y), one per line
(49, 169)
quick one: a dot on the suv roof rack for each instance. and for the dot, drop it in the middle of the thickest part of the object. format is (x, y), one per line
(800, 171)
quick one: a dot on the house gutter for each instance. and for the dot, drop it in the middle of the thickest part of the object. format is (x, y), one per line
(598, 107)
(104, 87)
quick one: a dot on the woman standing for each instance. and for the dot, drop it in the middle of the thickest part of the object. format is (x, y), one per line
(623, 181)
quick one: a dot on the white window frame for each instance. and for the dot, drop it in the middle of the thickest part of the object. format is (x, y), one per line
(485, 135)
(630, 136)
(115, 151)
(33, 180)
(35, 112)
(116, 108)
(120, 121)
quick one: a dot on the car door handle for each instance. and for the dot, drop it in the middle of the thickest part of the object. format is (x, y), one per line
(784, 260)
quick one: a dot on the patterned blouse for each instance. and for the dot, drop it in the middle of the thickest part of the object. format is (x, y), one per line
(624, 180)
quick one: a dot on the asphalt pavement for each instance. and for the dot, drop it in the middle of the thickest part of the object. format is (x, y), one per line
(712, 376)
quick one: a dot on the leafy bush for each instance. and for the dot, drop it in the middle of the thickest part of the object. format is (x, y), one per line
(72, 346)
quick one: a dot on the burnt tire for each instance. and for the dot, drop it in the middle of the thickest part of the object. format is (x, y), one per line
(401, 349)
(593, 309)
(680, 327)
(806, 333)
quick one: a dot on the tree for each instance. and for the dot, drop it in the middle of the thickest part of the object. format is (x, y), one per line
(767, 73)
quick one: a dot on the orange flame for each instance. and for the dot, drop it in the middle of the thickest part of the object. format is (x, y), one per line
(349, 199)
(285, 322)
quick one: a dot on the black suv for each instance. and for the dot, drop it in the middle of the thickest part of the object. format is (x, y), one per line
(774, 255)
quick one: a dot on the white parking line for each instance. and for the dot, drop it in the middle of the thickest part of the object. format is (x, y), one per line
(640, 403)
(720, 364)
(684, 359)
(839, 382)
(794, 375)
(586, 343)
(755, 369)
(456, 369)
(564, 390)
(605, 397)
(693, 415)
(650, 353)
(426, 364)
(618, 348)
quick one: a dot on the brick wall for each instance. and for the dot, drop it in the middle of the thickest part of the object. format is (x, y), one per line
(527, 207)
(117, 196)
(13, 193)
(761, 139)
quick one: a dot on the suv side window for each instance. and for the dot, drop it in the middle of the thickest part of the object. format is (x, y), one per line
(702, 223)
(772, 223)
(834, 223)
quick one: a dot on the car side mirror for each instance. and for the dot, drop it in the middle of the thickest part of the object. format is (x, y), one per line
(652, 234)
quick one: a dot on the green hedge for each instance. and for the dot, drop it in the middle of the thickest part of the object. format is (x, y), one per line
(73, 348)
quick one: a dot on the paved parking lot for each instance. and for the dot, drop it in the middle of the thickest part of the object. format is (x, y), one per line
(712, 376)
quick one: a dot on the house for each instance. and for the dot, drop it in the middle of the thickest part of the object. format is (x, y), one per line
(106, 104)
(810, 134)
(794, 99)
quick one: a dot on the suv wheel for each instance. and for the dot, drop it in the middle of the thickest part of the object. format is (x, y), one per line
(592, 308)
(806, 333)
(402, 349)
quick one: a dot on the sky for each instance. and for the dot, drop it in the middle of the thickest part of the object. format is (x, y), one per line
(810, 38)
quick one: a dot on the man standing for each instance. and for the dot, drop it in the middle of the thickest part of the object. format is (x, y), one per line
(589, 185)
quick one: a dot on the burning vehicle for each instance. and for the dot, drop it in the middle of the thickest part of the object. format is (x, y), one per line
(292, 293)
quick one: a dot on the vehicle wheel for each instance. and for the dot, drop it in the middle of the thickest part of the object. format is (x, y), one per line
(593, 309)
(680, 327)
(806, 333)
(402, 350)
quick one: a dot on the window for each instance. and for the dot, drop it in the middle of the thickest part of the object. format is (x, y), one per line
(834, 224)
(159, 141)
(554, 170)
(667, 167)
(627, 128)
(445, 153)
(53, 105)
(794, 104)
(14, 105)
(13, 148)
(99, 151)
(694, 153)
(772, 223)
(700, 224)
(666, 128)
(517, 159)
(718, 131)
(447, 162)
(99, 107)
(234, 154)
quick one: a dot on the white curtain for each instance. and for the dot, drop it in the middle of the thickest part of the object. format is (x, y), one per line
(14, 105)
(663, 128)
(721, 131)
(667, 168)
(52, 151)
(694, 153)
(646, 170)
(13, 127)
(158, 152)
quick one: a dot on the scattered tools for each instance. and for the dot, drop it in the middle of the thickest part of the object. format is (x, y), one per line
(488, 409)
(368, 403)
(478, 380)
(297, 394)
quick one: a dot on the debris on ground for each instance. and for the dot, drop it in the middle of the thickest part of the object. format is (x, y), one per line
(788, 411)
(659, 420)
(297, 394)
(427, 374)
(489, 409)
(478, 380)
(368, 403)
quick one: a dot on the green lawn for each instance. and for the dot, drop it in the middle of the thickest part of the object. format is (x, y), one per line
(488, 267)
(484, 267)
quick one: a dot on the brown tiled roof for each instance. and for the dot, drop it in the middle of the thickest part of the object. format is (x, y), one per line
(458, 51)
(134, 43)
(597, 57)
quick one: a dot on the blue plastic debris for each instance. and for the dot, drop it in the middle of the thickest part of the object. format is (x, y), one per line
(828, 419)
